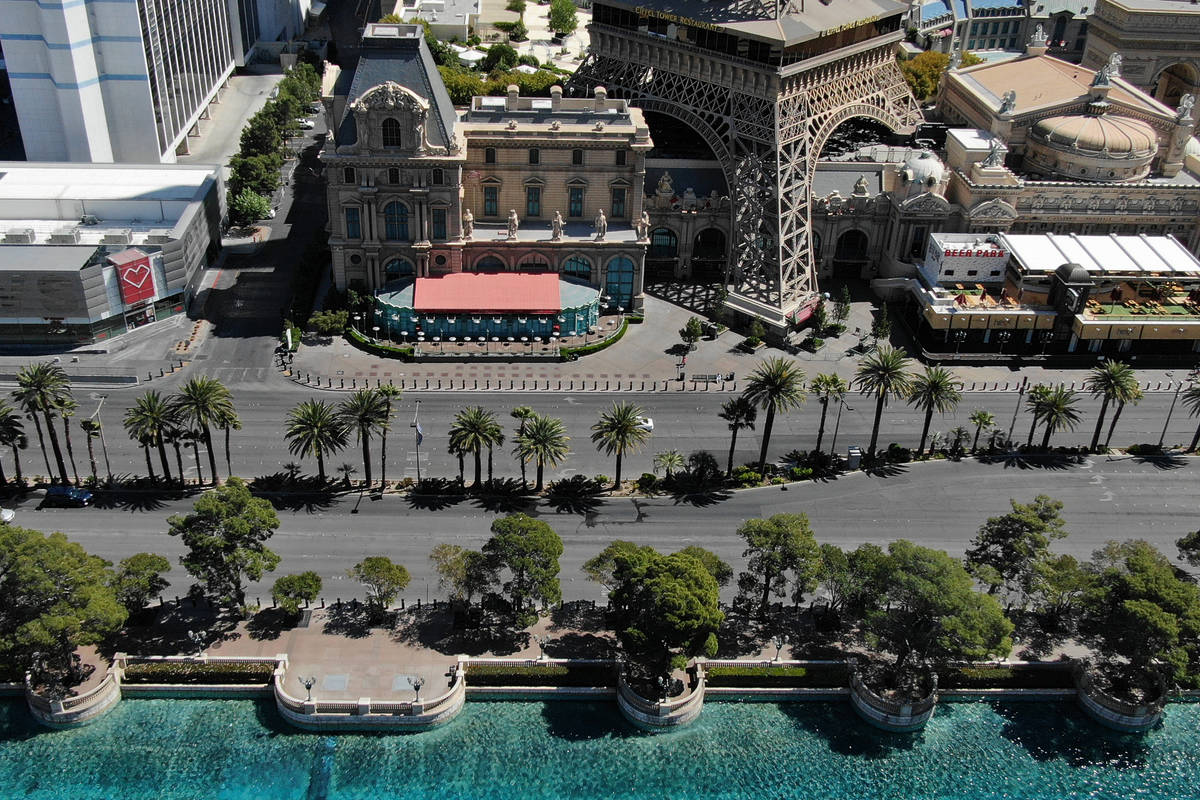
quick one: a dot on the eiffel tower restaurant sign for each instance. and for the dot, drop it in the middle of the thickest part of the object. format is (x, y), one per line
(135, 276)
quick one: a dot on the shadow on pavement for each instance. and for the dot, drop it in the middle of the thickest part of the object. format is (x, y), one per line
(1164, 461)
(436, 494)
(443, 630)
(1049, 461)
(575, 495)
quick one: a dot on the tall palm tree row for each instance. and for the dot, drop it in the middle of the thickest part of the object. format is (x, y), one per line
(12, 434)
(42, 389)
(1112, 381)
(936, 389)
(66, 409)
(738, 413)
(776, 384)
(1057, 411)
(202, 404)
(315, 428)
(364, 413)
(981, 419)
(620, 430)
(522, 414)
(151, 420)
(475, 428)
(826, 387)
(1034, 403)
(1191, 401)
(542, 440)
(884, 373)
(390, 394)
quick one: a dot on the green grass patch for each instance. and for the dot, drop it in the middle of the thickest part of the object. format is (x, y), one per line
(212, 673)
(813, 676)
(1015, 677)
(571, 353)
(541, 675)
(377, 348)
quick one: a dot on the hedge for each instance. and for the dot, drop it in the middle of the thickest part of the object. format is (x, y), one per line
(376, 348)
(569, 353)
(541, 675)
(186, 672)
(814, 676)
(1014, 677)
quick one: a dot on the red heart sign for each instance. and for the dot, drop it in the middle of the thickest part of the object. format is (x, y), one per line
(137, 282)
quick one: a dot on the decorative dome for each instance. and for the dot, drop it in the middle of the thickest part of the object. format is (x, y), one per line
(923, 168)
(1073, 274)
(1103, 135)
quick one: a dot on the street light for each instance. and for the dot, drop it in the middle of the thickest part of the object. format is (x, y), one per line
(1190, 378)
(103, 443)
(308, 683)
(959, 337)
(1003, 336)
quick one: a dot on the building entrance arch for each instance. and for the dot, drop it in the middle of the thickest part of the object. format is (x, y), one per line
(708, 256)
(851, 254)
(1176, 80)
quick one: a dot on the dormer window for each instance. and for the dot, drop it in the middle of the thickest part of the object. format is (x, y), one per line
(391, 133)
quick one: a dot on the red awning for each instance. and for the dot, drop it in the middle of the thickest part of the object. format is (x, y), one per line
(489, 293)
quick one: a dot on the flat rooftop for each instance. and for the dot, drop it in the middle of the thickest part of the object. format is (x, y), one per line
(50, 258)
(1100, 255)
(45, 181)
(500, 293)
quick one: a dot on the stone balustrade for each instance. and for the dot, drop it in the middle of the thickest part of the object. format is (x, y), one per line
(660, 716)
(74, 711)
(890, 715)
(1113, 712)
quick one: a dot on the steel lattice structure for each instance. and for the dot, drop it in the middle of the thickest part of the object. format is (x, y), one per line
(767, 127)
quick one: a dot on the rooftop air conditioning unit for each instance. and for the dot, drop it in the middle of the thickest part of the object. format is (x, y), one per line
(66, 235)
(158, 236)
(19, 236)
(89, 219)
(123, 236)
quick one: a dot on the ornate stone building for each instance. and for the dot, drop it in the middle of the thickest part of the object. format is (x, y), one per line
(417, 189)
(1158, 39)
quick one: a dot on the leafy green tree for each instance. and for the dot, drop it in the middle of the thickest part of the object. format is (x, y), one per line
(602, 567)
(881, 326)
(55, 598)
(461, 84)
(1138, 608)
(139, 579)
(936, 389)
(390, 394)
(720, 570)
(12, 435)
(544, 441)
(152, 418)
(1112, 381)
(884, 373)
(289, 591)
(41, 388)
(226, 535)
(473, 429)
(738, 413)
(383, 578)
(1005, 553)
(775, 546)
(841, 307)
(391, 19)
(827, 387)
(516, 6)
(257, 174)
(775, 384)
(981, 419)
(1189, 548)
(522, 414)
(499, 55)
(619, 431)
(1057, 410)
(1055, 594)
(260, 138)
(465, 573)
(202, 403)
(248, 207)
(691, 332)
(1191, 401)
(364, 413)
(562, 17)
(314, 428)
(851, 578)
(518, 32)
(927, 610)
(670, 462)
(529, 550)
(923, 72)
(663, 608)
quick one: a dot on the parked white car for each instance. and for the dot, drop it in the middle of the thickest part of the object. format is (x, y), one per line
(646, 424)
(7, 515)
(307, 124)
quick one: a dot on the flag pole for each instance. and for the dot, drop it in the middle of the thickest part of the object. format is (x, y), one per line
(416, 426)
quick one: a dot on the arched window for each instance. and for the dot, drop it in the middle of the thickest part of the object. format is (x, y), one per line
(391, 133)
(816, 246)
(663, 244)
(577, 267)
(398, 268)
(395, 222)
(489, 264)
(619, 285)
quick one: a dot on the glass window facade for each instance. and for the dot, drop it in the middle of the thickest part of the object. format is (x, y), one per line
(439, 223)
(618, 202)
(491, 201)
(619, 285)
(395, 222)
(533, 201)
(575, 201)
(391, 133)
(578, 267)
(353, 223)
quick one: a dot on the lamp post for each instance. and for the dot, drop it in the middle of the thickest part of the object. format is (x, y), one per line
(541, 643)
(197, 640)
(308, 683)
(778, 641)
(1190, 378)
(357, 325)
(1003, 337)
(959, 337)
(375, 330)
(103, 443)
(416, 682)
(391, 334)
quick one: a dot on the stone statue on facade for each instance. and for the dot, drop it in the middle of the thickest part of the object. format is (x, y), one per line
(420, 137)
(1114, 65)
(955, 59)
(1184, 114)
(556, 227)
(1103, 76)
(690, 201)
(860, 187)
(995, 156)
(513, 223)
(643, 227)
(468, 223)
(1039, 37)
(1008, 101)
(664, 192)
(601, 225)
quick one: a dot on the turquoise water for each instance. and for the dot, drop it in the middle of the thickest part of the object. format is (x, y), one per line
(240, 749)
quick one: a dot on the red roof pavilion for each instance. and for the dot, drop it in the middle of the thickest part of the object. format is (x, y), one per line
(488, 293)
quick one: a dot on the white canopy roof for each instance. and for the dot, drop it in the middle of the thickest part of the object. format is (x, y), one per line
(1102, 255)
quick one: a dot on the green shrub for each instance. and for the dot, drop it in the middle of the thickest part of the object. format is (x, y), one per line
(757, 330)
(647, 483)
(296, 334)
(601, 480)
(571, 353)
(541, 675)
(744, 476)
(778, 480)
(812, 676)
(518, 32)
(193, 673)
(800, 473)
(377, 348)
(1013, 677)
(516, 6)
(329, 323)
(751, 342)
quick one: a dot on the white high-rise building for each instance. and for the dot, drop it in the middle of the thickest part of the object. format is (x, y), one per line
(116, 80)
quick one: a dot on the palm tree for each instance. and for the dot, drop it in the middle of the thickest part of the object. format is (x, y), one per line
(543, 440)
(314, 428)
(347, 470)
(66, 409)
(176, 438)
(619, 431)
(739, 413)
(496, 441)
(192, 439)
(980, 419)
(776, 384)
(958, 435)
(933, 390)
(12, 434)
(145, 443)
(151, 419)
(884, 373)
(668, 462)
(1058, 412)
(364, 413)
(1112, 380)
(202, 403)
(91, 432)
(453, 449)
(1112, 426)
(1191, 401)
(229, 421)
(826, 387)
(522, 414)
(41, 388)
(473, 429)
(1034, 403)
(389, 393)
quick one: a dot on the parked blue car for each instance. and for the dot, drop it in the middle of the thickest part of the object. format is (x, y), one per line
(67, 497)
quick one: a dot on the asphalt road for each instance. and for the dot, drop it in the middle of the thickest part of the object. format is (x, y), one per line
(938, 504)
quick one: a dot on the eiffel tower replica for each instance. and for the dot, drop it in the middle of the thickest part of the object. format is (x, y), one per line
(764, 84)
